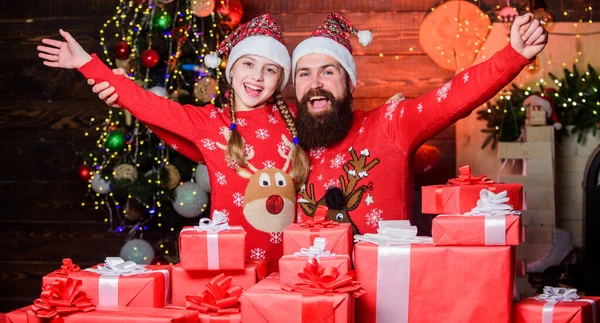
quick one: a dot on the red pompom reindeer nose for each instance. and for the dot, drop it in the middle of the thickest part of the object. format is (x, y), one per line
(274, 204)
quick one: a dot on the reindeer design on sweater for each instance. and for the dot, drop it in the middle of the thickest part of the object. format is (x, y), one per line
(341, 200)
(269, 198)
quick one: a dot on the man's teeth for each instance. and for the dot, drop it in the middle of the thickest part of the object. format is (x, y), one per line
(317, 98)
(256, 88)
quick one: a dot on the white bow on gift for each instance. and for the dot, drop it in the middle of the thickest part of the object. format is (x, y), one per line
(394, 232)
(317, 250)
(217, 224)
(554, 295)
(118, 266)
(558, 294)
(493, 204)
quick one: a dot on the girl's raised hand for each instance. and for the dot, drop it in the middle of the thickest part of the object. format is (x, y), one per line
(65, 54)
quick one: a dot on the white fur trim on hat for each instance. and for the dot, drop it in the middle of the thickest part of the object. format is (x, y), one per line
(327, 46)
(264, 46)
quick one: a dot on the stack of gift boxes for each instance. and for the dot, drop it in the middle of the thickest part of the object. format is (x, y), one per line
(465, 273)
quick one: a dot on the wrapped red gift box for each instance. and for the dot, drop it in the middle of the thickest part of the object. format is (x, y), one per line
(266, 302)
(427, 283)
(339, 238)
(530, 310)
(204, 247)
(460, 195)
(150, 289)
(290, 266)
(113, 315)
(466, 230)
(193, 282)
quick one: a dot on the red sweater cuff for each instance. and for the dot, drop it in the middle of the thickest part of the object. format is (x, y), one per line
(509, 55)
(95, 69)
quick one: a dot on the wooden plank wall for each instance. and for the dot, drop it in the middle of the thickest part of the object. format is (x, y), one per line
(45, 112)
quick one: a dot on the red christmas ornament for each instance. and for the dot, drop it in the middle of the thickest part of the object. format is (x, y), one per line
(85, 172)
(149, 58)
(122, 50)
(426, 158)
(231, 12)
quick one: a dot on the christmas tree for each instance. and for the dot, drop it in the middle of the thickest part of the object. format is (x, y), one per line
(143, 184)
(509, 129)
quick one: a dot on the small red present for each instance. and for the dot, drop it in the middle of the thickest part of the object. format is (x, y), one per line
(491, 222)
(65, 301)
(322, 295)
(213, 245)
(420, 282)
(460, 195)
(120, 283)
(290, 266)
(303, 235)
(193, 282)
(557, 305)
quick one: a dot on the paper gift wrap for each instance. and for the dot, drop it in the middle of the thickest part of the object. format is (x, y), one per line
(557, 305)
(460, 195)
(459, 230)
(426, 283)
(298, 236)
(193, 282)
(122, 284)
(491, 222)
(266, 302)
(112, 315)
(290, 266)
(213, 245)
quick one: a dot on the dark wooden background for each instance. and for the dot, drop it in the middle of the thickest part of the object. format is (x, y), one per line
(44, 113)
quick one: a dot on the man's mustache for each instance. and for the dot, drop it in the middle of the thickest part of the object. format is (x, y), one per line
(316, 92)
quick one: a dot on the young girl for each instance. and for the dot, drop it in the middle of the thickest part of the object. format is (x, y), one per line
(250, 148)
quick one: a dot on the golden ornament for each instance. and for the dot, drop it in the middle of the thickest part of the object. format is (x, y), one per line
(126, 172)
(134, 211)
(172, 177)
(205, 89)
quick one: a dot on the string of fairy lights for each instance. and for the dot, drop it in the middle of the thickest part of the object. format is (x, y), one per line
(132, 20)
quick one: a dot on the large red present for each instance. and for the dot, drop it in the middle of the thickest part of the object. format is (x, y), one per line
(63, 300)
(291, 265)
(491, 222)
(267, 302)
(427, 283)
(120, 283)
(193, 282)
(213, 245)
(297, 236)
(460, 195)
(557, 305)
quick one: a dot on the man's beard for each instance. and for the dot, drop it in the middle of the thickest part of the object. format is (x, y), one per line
(326, 128)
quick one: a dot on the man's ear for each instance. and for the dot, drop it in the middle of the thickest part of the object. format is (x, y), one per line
(352, 87)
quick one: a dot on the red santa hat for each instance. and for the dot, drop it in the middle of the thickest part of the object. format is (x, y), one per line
(260, 36)
(331, 39)
(547, 103)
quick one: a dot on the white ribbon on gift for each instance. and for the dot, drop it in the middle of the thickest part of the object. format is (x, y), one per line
(113, 268)
(394, 233)
(494, 208)
(317, 250)
(554, 295)
(212, 228)
(394, 238)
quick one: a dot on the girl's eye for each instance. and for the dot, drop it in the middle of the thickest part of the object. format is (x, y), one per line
(270, 70)
(248, 64)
